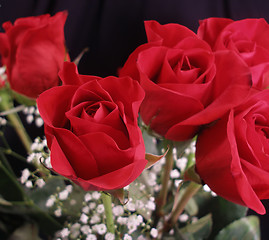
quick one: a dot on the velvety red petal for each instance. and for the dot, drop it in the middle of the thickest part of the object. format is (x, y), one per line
(167, 35)
(115, 180)
(247, 194)
(109, 157)
(78, 155)
(59, 98)
(210, 28)
(158, 110)
(69, 75)
(126, 91)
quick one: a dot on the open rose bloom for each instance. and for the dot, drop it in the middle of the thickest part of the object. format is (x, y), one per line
(233, 155)
(33, 50)
(186, 84)
(91, 129)
(248, 38)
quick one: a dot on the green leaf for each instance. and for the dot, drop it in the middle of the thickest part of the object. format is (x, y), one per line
(198, 230)
(246, 228)
(4, 202)
(224, 212)
(7, 179)
(41, 195)
(150, 143)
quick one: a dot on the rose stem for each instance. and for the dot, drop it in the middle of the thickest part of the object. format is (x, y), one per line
(106, 199)
(190, 191)
(19, 128)
(161, 200)
(6, 104)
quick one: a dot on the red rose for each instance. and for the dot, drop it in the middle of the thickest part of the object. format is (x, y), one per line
(247, 37)
(232, 156)
(186, 84)
(33, 49)
(91, 129)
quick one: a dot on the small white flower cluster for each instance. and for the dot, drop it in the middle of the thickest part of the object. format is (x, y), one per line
(133, 219)
(32, 115)
(3, 121)
(30, 180)
(91, 223)
(39, 153)
(55, 200)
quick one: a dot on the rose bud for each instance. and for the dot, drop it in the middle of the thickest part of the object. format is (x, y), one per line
(248, 38)
(33, 50)
(92, 130)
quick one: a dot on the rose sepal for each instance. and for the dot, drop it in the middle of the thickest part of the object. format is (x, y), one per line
(191, 175)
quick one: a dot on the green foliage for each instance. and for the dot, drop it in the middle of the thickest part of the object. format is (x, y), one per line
(246, 228)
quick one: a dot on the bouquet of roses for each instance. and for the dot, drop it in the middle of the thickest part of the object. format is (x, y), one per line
(174, 147)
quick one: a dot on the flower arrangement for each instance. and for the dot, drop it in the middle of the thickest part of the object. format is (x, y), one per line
(174, 147)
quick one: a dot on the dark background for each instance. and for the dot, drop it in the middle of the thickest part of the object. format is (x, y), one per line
(112, 29)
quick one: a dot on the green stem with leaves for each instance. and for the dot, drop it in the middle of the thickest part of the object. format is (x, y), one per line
(169, 162)
(189, 192)
(107, 202)
(6, 104)
(20, 130)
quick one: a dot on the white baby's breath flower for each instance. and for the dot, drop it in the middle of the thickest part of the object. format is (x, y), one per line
(63, 195)
(109, 236)
(122, 220)
(181, 163)
(177, 182)
(85, 229)
(40, 183)
(130, 206)
(95, 219)
(75, 230)
(92, 205)
(50, 202)
(206, 188)
(174, 174)
(64, 232)
(69, 188)
(183, 217)
(86, 209)
(29, 184)
(87, 197)
(58, 212)
(48, 162)
(25, 175)
(100, 208)
(3, 121)
(127, 237)
(100, 228)
(154, 232)
(39, 122)
(84, 218)
(96, 195)
(31, 110)
(91, 237)
(150, 205)
(31, 157)
(118, 210)
(29, 119)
